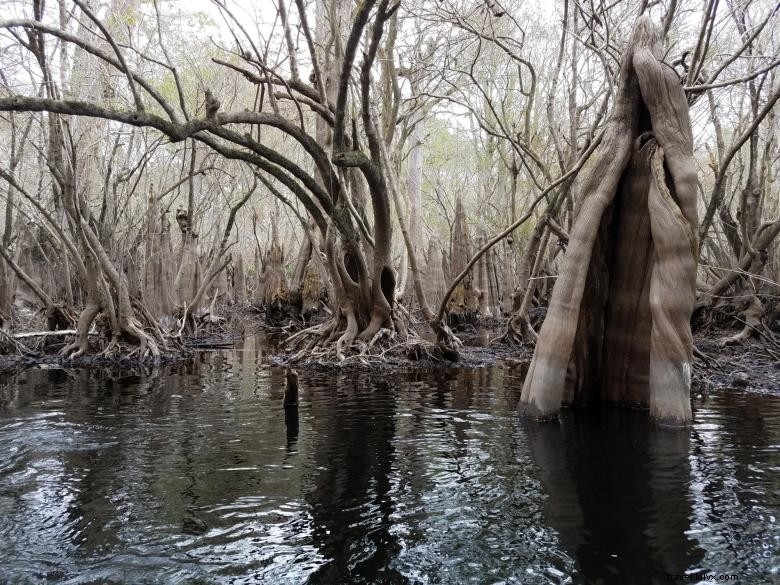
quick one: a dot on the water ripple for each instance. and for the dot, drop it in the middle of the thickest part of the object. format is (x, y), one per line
(197, 475)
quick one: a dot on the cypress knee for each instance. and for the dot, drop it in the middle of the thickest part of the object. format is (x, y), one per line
(291, 388)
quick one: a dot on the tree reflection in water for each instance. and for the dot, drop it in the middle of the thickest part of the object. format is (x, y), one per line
(409, 478)
(618, 496)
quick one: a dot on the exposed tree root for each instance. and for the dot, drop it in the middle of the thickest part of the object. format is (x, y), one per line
(81, 344)
(752, 323)
(112, 349)
(750, 313)
(386, 343)
(340, 340)
(127, 332)
(521, 331)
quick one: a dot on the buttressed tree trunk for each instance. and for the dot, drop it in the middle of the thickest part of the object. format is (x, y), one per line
(463, 303)
(618, 325)
(298, 279)
(187, 281)
(158, 268)
(435, 283)
(239, 281)
(312, 290)
(275, 292)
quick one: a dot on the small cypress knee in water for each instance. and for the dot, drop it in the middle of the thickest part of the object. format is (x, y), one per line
(291, 388)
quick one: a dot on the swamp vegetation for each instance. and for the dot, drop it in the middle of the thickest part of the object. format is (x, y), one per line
(373, 177)
(520, 206)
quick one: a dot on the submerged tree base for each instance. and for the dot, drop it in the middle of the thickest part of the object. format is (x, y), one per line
(618, 325)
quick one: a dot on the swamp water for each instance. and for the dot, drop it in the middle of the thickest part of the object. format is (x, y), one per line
(195, 474)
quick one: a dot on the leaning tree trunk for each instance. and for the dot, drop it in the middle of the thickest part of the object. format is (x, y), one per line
(619, 316)
(519, 329)
(220, 288)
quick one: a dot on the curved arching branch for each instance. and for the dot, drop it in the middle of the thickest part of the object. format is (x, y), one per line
(272, 170)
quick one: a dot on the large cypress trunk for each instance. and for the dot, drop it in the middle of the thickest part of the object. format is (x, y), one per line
(158, 267)
(188, 277)
(312, 290)
(239, 281)
(435, 284)
(275, 292)
(618, 325)
(463, 304)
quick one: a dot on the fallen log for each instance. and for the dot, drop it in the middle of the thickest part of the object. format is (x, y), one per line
(58, 333)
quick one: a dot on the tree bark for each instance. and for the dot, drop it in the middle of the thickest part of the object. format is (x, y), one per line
(158, 265)
(239, 281)
(463, 304)
(649, 128)
(435, 284)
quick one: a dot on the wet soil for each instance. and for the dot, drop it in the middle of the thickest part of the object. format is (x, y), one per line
(47, 360)
(752, 365)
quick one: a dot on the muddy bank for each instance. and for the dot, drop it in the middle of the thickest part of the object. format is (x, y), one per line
(752, 365)
(19, 362)
(413, 357)
(31, 350)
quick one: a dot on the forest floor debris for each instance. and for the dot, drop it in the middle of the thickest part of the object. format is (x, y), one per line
(748, 366)
(751, 365)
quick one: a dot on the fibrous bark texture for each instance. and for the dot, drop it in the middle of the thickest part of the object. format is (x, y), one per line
(188, 277)
(6, 296)
(159, 271)
(463, 303)
(483, 284)
(312, 290)
(239, 281)
(274, 280)
(275, 290)
(618, 325)
(435, 283)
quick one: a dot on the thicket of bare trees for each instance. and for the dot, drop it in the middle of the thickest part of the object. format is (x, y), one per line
(384, 164)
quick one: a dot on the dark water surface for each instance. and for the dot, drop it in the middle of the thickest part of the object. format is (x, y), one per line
(197, 475)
